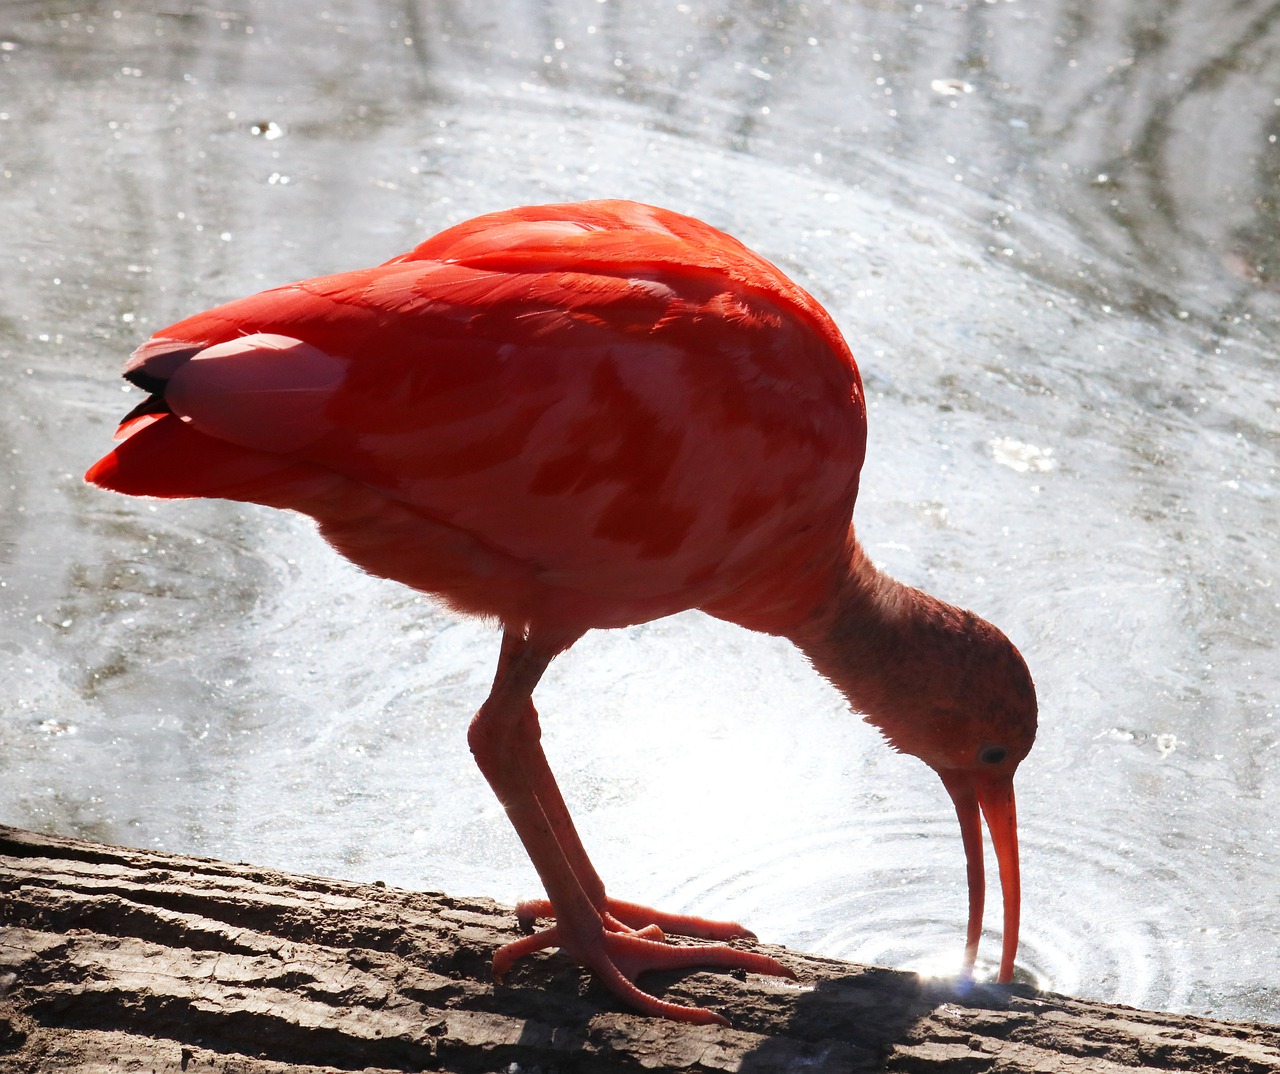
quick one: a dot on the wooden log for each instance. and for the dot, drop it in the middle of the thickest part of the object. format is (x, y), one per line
(126, 960)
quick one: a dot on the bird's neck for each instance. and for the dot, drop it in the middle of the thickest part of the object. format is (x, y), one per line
(877, 639)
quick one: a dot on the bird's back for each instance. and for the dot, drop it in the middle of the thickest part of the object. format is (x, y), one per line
(604, 411)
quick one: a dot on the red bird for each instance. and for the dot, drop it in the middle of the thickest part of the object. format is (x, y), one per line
(567, 417)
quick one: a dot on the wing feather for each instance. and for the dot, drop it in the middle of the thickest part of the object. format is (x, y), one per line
(624, 400)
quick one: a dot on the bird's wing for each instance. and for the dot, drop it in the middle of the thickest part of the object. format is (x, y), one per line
(631, 429)
(611, 237)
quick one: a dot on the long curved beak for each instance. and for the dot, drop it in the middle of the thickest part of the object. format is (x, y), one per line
(991, 797)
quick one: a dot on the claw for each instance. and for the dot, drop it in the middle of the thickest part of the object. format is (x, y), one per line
(618, 953)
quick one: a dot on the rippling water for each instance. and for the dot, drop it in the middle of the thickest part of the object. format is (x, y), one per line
(1048, 232)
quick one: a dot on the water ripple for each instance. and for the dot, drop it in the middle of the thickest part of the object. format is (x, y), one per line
(1103, 914)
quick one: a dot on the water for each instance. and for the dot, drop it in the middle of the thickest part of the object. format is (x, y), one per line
(1049, 232)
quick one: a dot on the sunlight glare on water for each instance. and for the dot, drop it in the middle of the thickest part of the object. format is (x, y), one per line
(1050, 256)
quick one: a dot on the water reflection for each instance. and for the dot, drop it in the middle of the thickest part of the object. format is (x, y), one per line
(1048, 232)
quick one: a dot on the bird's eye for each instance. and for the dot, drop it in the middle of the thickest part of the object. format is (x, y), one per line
(992, 754)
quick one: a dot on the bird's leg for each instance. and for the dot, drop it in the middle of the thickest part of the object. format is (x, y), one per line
(504, 737)
(617, 914)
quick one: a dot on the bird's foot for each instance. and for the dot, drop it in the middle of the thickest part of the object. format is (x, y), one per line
(629, 916)
(616, 952)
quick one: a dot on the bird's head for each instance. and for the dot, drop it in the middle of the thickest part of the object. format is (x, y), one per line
(947, 687)
(969, 711)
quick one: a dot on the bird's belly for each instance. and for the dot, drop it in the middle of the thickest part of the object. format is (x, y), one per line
(527, 558)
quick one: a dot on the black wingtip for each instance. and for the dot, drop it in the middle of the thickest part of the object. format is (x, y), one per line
(148, 382)
(156, 360)
(152, 404)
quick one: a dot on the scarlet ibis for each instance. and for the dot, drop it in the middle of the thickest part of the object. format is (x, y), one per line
(566, 417)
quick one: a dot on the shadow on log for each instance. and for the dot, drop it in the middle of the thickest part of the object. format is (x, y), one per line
(114, 959)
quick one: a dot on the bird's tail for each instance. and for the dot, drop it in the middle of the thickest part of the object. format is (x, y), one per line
(161, 455)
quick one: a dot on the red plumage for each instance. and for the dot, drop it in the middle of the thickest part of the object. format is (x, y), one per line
(576, 416)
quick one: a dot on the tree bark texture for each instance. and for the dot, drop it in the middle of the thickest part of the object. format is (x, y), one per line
(125, 960)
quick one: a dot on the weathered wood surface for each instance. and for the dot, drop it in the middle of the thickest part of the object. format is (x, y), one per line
(122, 960)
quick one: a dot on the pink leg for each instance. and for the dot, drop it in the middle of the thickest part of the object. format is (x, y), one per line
(641, 919)
(616, 940)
